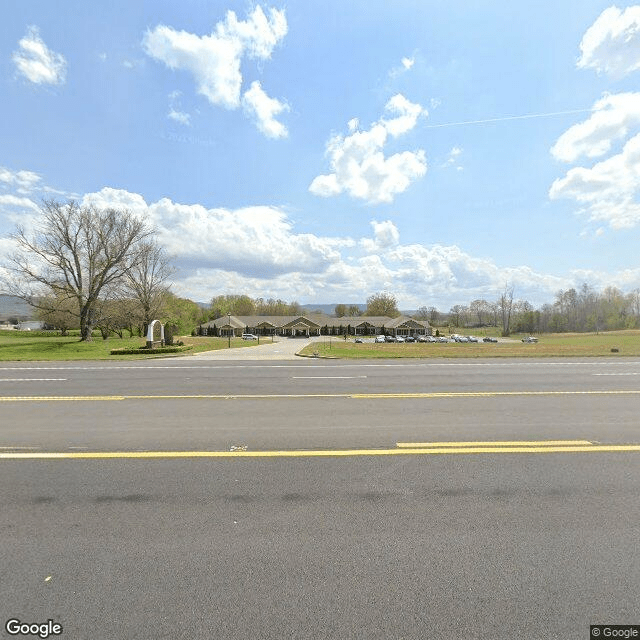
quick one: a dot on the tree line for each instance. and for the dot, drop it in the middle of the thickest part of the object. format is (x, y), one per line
(585, 309)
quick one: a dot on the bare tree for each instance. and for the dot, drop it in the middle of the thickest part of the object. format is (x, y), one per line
(505, 304)
(146, 281)
(77, 252)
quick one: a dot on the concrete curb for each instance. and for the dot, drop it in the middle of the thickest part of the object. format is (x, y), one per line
(318, 357)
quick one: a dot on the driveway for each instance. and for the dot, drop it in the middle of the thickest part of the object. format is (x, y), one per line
(279, 349)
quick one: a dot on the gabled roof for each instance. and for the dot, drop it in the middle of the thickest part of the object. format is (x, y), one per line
(316, 320)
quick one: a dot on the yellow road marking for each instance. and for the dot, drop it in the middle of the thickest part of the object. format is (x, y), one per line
(356, 396)
(325, 453)
(59, 398)
(492, 443)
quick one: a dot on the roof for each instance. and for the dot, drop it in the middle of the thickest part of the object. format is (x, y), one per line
(316, 319)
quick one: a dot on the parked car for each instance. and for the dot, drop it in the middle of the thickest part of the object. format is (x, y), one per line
(442, 339)
(359, 340)
(249, 336)
(389, 338)
(380, 338)
(400, 339)
(426, 339)
(489, 339)
(530, 339)
(409, 339)
(472, 339)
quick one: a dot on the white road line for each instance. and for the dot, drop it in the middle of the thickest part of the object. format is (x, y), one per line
(628, 373)
(33, 379)
(326, 377)
(13, 448)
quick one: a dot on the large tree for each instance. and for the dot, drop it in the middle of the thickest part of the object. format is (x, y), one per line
(77, 252)
(382, 304)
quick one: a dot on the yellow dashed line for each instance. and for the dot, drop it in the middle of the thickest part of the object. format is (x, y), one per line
(498, 443)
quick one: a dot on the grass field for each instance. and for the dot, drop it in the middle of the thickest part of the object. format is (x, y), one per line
(19, 345)
(550, 345)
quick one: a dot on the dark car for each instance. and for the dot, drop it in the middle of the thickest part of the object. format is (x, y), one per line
(409, 339)
(489, 339)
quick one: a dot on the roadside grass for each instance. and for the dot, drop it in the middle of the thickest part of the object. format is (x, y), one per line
(19, 346)
(550, 345)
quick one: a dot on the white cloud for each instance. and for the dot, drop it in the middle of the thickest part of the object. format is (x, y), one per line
(264, 110)
(405, 115)
(609, 190)
(23, 181)
(175, 114)
(36, 62)
(214, 60)
(611, 45)
(452, 158)
(179, 116)
(359, 166)
(407, 63)
(385, 236)
(14, 202)
(249, 240)
(613, 117)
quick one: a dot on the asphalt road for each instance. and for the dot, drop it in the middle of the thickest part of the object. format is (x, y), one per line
(508, 543)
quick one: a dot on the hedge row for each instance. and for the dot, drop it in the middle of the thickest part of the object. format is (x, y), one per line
(145, 350)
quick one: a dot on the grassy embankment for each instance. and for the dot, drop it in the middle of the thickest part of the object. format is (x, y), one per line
(24, 345)
(550, 345)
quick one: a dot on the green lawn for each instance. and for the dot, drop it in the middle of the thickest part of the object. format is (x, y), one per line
(19, 345)
(550, 345)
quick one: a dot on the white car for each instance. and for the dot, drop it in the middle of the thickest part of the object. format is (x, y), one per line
(380, 338)
(400, 339)
(249, 336)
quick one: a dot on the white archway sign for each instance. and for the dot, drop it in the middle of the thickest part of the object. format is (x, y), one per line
(152, 324)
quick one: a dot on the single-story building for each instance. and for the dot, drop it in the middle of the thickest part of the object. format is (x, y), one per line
(316, 324)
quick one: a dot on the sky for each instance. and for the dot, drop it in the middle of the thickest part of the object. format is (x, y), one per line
(326, 151)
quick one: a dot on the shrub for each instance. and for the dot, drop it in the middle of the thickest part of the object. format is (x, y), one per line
(146, 350)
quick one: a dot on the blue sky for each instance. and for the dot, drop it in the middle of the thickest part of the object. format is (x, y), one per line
(323, 152)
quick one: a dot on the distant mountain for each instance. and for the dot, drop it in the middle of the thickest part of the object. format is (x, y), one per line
(14, 307)
(328, 308)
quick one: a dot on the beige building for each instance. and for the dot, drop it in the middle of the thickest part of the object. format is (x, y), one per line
(315, 324)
